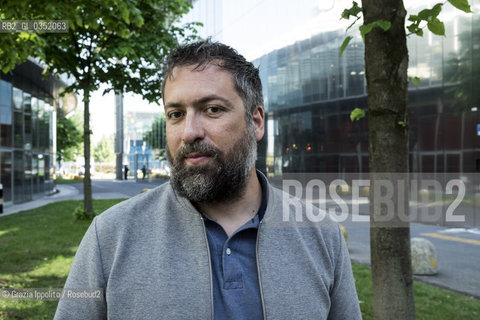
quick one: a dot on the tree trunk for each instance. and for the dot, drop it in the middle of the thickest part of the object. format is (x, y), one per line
(386, 62)
(87, 182)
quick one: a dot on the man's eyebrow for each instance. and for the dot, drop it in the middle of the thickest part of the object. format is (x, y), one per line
(200, 101)
(212, 97)
(173, 105)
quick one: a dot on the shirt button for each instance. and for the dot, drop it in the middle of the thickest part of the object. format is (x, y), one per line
(229, 251)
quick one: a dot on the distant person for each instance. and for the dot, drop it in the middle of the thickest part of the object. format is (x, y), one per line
(125, 172)
(217, 241)
(144, 172)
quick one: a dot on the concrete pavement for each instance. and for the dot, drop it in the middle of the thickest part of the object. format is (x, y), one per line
(64, 192)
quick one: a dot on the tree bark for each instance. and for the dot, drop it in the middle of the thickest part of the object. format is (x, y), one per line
(386, 63)
(87, 182)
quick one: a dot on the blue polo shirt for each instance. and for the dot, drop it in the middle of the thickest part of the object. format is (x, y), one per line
(236, 292)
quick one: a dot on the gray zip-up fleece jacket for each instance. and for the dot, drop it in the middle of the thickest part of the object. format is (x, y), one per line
(150, 256)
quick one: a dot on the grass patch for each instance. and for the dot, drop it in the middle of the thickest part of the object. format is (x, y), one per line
(36, 250)
(430, 302)
(67, 180)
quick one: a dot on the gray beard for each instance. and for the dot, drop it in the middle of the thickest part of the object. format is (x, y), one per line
(223, 180)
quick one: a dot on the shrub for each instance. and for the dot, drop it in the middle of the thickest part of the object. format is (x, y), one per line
(80, 214)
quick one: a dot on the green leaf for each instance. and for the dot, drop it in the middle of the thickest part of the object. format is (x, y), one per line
(345, 14)
(26, 35)
(430, 14)
(424, 14)
(364, 29)
(78, 20)
(353, 11)
(437, 27)
(71, 25)
(413, 18)
(461, 5)
(383, 24)
(414, 80)
(344, 45)
(357, 114)
(437, 9)
(125, 14)
(402, 123)
(413, 28)
(137, 17)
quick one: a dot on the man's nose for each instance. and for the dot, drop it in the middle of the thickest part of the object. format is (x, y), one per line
(193, 129)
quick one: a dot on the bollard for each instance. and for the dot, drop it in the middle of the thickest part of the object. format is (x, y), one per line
(1, 198)
(424, 257)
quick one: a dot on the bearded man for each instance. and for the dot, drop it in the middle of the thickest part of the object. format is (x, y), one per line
(213, 242)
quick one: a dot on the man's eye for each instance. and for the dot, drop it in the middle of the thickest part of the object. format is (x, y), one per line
(174, 115)
(214, 110)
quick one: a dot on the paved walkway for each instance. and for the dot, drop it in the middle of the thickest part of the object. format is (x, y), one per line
(75, 192)
(65, 192)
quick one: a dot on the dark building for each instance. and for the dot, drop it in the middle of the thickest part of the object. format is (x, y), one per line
(28, 132)
(309, 93)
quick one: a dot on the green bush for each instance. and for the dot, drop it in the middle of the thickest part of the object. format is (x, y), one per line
(80, 214)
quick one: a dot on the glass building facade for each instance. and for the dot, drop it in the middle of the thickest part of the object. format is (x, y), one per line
(28, 132)
(310, 91)
(139, 150)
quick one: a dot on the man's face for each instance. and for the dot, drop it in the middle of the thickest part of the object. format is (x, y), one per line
(210, 146)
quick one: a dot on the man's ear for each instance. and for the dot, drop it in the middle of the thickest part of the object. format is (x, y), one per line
(258, 117)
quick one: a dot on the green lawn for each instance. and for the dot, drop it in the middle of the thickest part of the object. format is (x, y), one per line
(36, 251)
(37, 248)
(430, 302)
(66, 180)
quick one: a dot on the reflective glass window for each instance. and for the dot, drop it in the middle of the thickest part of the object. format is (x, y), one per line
(27, 183)
(17, 99)
(41, 172)
(5, 113)
(28, 131)
(27, 102)
(36, 187)
(35, 124)
(18, 129)
(18, 177)
(6, 176)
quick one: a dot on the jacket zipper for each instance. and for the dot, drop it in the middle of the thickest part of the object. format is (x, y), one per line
(258, 271)
(210, 267)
